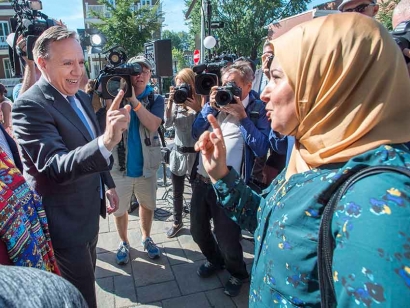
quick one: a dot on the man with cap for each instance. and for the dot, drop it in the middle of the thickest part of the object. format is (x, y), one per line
(137, 159)
(365, 7)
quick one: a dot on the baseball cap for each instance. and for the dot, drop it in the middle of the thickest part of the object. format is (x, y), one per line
(141, 60)
(340, 7)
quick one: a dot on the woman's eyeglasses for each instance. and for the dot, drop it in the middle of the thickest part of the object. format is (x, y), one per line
(360, 8)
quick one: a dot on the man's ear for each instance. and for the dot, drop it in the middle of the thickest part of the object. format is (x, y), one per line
(375, 10)
(41, 63)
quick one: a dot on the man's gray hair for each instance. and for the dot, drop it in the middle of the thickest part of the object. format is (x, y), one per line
(41, 47)
(243, 68)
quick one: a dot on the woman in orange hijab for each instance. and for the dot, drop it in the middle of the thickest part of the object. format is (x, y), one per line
(339, 85)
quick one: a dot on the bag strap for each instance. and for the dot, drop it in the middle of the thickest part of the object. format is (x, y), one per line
(151, 99)
(326, 243)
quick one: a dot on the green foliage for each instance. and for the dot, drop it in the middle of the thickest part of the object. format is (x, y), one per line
(179, 40)
(385, 13)
(244, 21)
(178, 56)
(127, 27)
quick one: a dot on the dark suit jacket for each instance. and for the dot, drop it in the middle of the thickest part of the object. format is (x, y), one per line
(62, 162)
(13, 148)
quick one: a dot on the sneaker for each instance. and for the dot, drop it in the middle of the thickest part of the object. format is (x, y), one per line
(152, 249)
(208, 269)
(174, 230)
(123, 253)
(233, 286)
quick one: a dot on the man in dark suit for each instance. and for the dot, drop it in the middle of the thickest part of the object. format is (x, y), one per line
(63, 157)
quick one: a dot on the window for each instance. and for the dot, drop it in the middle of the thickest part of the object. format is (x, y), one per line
(4, 31)
(7, 68)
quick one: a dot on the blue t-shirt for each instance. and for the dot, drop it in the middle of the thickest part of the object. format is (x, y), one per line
(135, 159)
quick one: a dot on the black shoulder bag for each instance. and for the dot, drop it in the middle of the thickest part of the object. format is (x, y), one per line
(326, 243)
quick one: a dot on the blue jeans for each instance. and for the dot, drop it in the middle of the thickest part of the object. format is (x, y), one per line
(226, 249)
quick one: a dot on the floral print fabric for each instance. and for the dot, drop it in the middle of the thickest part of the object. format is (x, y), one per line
(371, 225)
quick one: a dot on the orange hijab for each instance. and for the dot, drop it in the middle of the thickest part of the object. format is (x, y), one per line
(351, 87)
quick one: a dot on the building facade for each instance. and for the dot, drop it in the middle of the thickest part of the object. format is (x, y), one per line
(6, 75)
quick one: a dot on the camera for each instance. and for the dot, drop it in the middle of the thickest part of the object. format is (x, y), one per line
(225, 94)
(182, 92)
(208, 74)
(401, 34)
(116, 75)
(29, 22)
(270, 59)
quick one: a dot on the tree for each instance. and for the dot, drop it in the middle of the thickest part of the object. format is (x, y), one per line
(178, 57)
(244, 22)
(128, 26)
(385, 14)
(179, 40)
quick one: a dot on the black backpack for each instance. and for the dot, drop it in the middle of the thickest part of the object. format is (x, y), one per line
(326, 243)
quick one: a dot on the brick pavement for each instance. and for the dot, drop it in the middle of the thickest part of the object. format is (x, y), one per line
(170, 281)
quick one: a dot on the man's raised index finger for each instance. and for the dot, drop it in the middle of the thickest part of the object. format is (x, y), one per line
(117, 101)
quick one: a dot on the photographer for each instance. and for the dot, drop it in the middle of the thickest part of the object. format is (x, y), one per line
(245, 128)
(267, 55)
(182, 107)
(137, 159)
(402, 13)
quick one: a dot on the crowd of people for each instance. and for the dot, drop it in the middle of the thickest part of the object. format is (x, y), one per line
(335, 101)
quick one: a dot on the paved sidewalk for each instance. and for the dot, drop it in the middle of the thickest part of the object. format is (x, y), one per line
(170, 281)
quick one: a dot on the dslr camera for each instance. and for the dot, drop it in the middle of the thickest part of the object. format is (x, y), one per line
(29, 22)
(401, 34)
(116, 75)
(225, 94)
(182, 92)
(209, 74)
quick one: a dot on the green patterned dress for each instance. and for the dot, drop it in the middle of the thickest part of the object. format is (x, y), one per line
(371, 262)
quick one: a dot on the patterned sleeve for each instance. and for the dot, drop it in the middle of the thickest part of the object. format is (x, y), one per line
(239, 201)
(372, 255)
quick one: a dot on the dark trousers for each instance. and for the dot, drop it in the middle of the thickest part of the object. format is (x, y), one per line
(178, 196)
(77, 265)
(226, 249)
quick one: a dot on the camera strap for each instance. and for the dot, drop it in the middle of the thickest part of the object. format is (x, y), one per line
(151, 99)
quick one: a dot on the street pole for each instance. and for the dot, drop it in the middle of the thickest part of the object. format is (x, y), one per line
(209, 15)
(202, 31)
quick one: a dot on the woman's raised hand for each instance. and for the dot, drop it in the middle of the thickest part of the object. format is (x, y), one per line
(213, 151)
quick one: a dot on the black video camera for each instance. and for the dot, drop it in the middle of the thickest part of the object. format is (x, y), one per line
(401, 34)
(182, 92)
(116, 75)
(29, 22)
(225, 94)
(209, 74)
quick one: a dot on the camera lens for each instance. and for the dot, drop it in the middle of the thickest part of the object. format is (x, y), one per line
(223, 97)
(115, 84)
(180, 96)
(204, 83)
